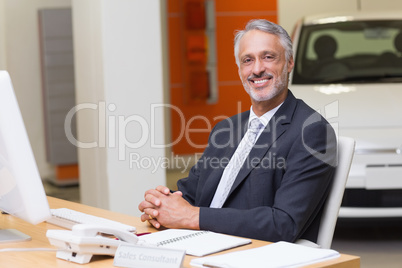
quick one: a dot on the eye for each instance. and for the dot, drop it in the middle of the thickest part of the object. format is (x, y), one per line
(246, 61)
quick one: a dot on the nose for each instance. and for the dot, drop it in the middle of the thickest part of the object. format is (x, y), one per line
(258, 67)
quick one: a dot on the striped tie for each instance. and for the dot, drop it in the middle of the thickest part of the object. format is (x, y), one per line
(240, 156)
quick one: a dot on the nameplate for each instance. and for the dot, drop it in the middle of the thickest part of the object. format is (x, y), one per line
(134, 256)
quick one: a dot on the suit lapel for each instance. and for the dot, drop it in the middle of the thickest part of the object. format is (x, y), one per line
(278, 124)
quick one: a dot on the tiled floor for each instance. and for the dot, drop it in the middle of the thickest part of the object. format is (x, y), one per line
(70, 193)
(379, 244)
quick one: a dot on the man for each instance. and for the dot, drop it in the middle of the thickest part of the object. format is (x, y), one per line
(277, 192)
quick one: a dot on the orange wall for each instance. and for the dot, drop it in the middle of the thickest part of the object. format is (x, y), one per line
(230, 16)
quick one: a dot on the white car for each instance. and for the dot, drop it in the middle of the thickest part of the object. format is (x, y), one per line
(349, 67)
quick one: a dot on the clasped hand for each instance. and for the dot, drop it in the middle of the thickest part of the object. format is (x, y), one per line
(171, 210)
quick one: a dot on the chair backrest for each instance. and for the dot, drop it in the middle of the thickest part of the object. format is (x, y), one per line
(346, 148)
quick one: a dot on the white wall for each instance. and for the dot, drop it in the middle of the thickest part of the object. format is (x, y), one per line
(119, 68)
(290, 11)
(89, 81)
(371, 5)
(3, 54)
(20, 55)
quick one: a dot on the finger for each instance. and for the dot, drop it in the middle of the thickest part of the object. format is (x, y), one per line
(144, 217)
(152, 212)
(178, 193)
(155, 223)
(152, 199)
(141, 206)
(147, 217)
(154, 192)
(163, 189)
(145, 204)
(150, 191)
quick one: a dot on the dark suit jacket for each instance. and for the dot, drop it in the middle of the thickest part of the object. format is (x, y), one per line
(280, 190)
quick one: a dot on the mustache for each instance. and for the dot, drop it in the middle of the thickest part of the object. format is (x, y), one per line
(264, 74)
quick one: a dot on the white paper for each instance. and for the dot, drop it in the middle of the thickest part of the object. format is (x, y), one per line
(280, 254)
(196, 243)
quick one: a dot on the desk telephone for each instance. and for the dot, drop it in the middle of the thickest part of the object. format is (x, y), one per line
(84, 241)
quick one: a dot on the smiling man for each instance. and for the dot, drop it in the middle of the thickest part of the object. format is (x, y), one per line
(266, 172)
(263, 68)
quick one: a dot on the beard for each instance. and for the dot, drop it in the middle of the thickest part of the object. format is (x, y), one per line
(264, 94)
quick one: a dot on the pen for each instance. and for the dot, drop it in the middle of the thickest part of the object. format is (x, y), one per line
(140, 234)
(211, 265)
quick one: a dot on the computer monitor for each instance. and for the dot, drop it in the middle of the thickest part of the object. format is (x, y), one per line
(21, 189)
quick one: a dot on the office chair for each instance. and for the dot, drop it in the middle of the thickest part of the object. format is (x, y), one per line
(346, 148)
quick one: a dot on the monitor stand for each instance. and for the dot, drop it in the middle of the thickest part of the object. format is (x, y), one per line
(12, 235)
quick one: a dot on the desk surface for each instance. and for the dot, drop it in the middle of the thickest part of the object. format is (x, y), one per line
(46, 259)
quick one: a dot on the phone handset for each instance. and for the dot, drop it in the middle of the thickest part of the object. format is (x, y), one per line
(86, 230)
(84, 241)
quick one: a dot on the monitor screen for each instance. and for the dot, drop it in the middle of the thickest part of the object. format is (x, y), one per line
(21, 189)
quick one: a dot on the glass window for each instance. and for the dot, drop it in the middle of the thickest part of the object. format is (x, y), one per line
(349, 52)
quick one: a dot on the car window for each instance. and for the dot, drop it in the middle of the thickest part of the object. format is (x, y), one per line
(349, 52)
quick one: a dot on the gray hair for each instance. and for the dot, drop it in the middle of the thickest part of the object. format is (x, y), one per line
(268, 27)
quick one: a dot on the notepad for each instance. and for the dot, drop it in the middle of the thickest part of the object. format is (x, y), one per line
(280, 254)
(196, 243)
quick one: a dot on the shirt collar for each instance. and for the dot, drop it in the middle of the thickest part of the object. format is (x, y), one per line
(265, 117)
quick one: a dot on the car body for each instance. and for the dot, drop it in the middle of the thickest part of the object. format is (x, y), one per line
(349, 67)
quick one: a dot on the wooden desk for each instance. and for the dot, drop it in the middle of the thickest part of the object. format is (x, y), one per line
(48, 258)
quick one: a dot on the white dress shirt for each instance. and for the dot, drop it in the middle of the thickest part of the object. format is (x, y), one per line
(219, 193)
